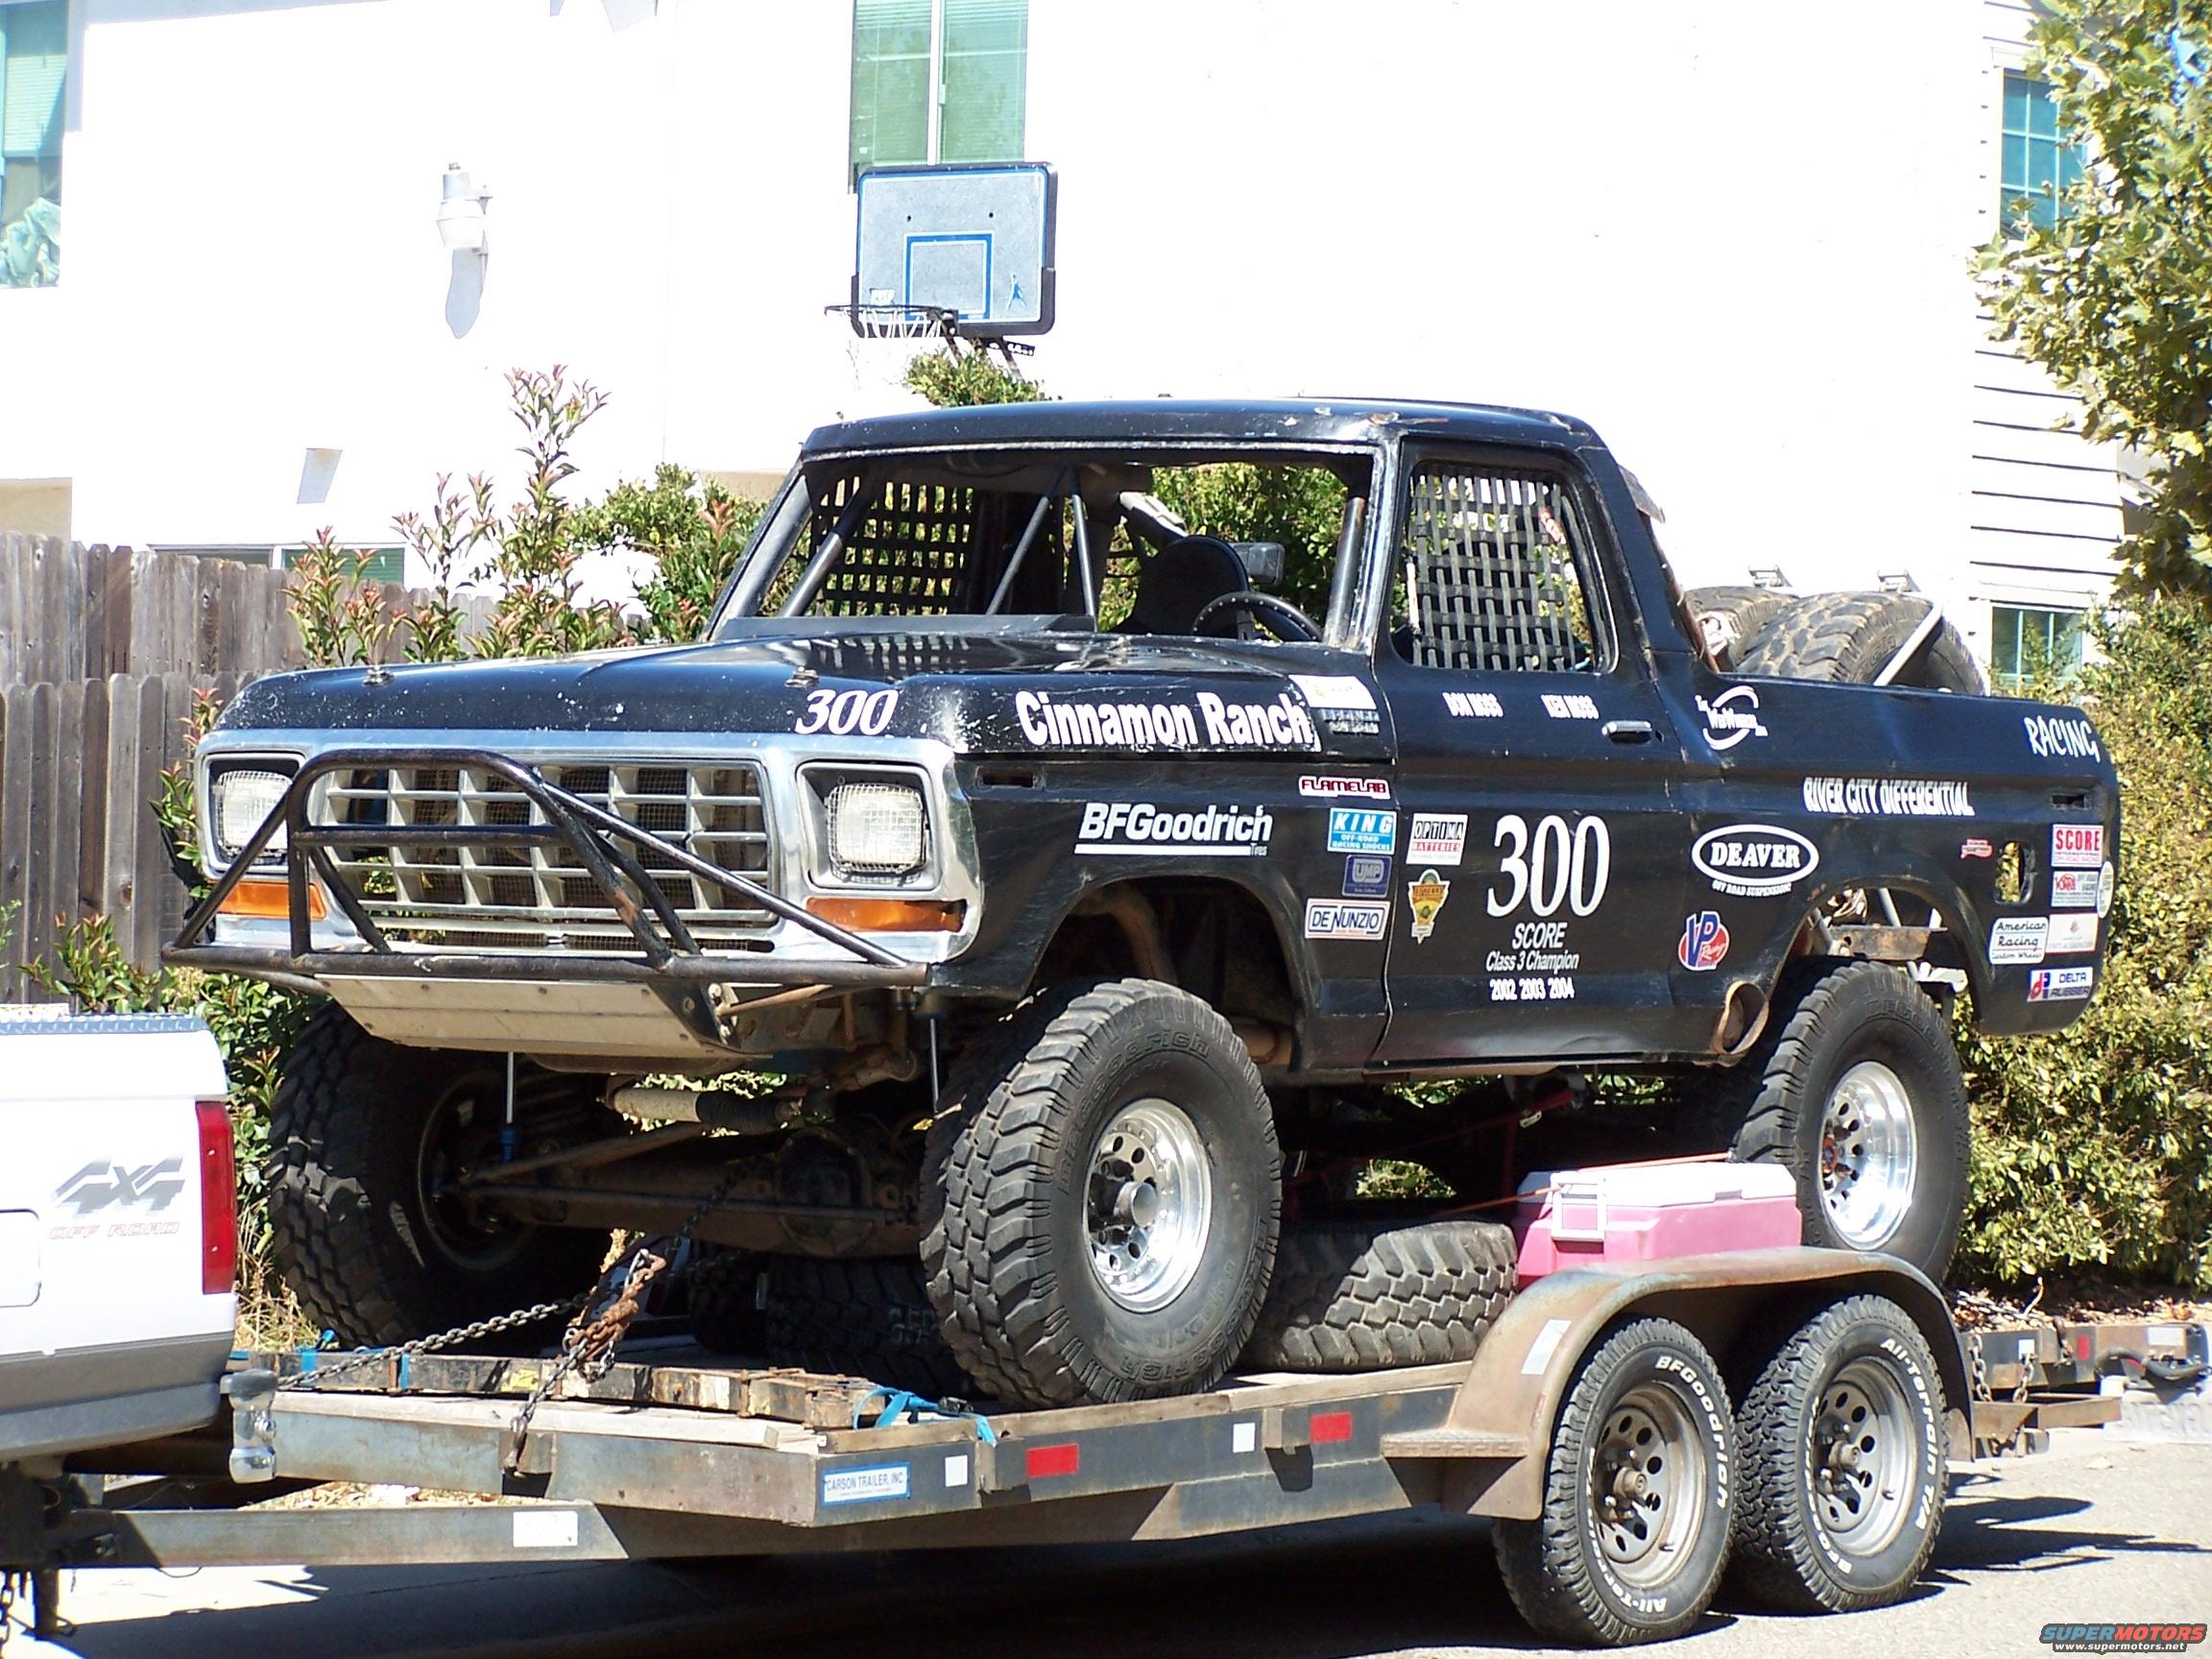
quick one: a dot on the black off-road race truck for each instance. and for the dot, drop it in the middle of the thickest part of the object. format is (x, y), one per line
(999, 945)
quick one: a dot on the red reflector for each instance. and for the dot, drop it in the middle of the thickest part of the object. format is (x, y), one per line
(1044, 1460)
(1327, 1427)
(218, 1201)
(2081, 1347)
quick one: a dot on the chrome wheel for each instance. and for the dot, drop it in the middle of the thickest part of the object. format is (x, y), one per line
(1648, 1482)
(1861, 1458)
(1150, 1204)
(1869, 1155)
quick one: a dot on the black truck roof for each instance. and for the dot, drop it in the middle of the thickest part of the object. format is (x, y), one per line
(1182, 420)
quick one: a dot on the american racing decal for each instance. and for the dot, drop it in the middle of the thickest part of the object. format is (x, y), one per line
(2073, 935)
(1115, 826)
(1366, 876)
(1215, 724)
(1888, 798)
(2076, 889)
(1552, 865)
(1704, 943)
(2060, 984)
(1474, 706)
(1361, 829)
(2077, 846)
(1346, 918)
(1731, 718)
(1323, 789)
(2016, 940)
(2055, 734)
(1439, 838)
(1570, 705)
(1426, 895)
(1537, 947)
(1753, 860)
(847, 713)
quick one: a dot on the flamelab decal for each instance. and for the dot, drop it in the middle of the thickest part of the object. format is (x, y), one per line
(1324, 788)
(2077, 889)
(2060, 737)
(1426, 894)
(2015, 940)
(1361, 829)
(1889, 798)
(1704, 943)
(1366, 876)
(1139, 828)
(2060, 984)
(1731, 718)
(1439, 838)
(1753, 860)
(1346, 918)
(2074, 935)
(2077, 846)
(1537, 947)
(1206, 722)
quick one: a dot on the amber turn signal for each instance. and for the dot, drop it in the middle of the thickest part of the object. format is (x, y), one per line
(269, 901)
(891, 915)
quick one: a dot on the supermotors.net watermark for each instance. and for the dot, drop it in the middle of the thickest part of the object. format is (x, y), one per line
(2122, 1638)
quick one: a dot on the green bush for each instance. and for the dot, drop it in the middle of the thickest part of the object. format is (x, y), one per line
(2093, 1148)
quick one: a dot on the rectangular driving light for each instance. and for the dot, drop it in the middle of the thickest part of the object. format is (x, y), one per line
(239, 799)
(876, 829)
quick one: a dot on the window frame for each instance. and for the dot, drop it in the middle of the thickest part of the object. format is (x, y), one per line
(934, 114)
(2009, 682)
(2016, 224)
(45, 158)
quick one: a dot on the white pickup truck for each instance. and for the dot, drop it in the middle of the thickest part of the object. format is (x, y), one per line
(118, 1231)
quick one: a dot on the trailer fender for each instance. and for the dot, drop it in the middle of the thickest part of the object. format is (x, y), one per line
(1499, 1432)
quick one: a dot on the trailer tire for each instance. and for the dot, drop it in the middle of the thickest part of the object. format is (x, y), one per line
(1048, 1282)
(1858, 1049)
(1731, 619)
(1351, 1296)
(1843, 1444)
(865, 1318)
(726, 1294)
(359, 1130)
(1645, 1438)
(1850, 638)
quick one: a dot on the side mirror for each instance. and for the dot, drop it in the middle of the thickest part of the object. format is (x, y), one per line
(1263, 561)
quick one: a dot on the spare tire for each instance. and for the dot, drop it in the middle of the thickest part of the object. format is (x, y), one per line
(1730, 620)
(868, 1318)
(1352, 1296)
(1851, 638)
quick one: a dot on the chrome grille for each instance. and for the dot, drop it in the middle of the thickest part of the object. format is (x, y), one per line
(538, 896)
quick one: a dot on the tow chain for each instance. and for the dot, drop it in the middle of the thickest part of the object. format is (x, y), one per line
(460, 1333)
(13, 1581)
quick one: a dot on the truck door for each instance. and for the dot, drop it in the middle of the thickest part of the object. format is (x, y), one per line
(1540, 889)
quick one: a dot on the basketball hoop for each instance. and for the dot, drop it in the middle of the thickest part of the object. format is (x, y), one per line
(909, 322)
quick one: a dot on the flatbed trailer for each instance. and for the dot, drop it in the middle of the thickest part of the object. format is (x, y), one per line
(669, 1453)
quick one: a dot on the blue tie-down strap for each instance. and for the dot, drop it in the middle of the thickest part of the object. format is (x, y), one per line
(902, 1404)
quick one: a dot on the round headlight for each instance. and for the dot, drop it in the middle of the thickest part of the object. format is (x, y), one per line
(876, 829)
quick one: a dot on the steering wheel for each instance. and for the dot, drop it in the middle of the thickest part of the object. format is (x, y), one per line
(1270, 613)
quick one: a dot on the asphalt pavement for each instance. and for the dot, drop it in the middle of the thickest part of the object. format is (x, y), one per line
(2097, 1529)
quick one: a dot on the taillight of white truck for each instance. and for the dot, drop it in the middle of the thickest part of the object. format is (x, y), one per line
(218, 1200)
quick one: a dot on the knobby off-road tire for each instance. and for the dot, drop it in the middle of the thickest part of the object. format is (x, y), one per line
(361, 1132)
(1856, 1087)
(866, 1318)
(1645, 1439)
(1048, 1282)
(1842, 1444)
(1350, 1296)
(725, 1295)
(1850, 638)
(1731, 619)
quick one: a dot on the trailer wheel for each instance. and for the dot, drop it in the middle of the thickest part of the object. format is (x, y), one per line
(1843, 1445)
(1351, 1296)
(860, 1318)
(1730, 619)
(1102, 1194)
(1857, 1089)
(1851, 638)
(365, 1138)
(1635, 1530)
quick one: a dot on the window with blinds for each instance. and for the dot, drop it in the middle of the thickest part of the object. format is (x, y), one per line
(938, 80)
(34, 84)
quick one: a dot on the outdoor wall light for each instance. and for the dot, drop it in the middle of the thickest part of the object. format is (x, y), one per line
(461, 215)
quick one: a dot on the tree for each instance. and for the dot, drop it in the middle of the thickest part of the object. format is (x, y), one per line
(2114, 297)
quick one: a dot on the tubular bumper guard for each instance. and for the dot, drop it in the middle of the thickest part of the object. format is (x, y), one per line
(601, 842)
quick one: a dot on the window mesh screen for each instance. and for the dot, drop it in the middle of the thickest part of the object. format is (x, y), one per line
(907, 555)
(1491, 560)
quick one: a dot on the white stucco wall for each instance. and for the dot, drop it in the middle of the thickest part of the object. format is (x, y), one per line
(1739, 249)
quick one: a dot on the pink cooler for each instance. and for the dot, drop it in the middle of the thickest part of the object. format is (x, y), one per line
(1623, 1214)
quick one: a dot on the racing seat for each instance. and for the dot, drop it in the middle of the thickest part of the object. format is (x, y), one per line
(1178, 582)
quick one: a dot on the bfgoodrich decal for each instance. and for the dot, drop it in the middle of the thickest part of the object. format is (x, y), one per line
(1136, 826)
(1753, 860)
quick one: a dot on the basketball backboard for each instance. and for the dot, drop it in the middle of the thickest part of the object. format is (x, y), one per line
(974, 240)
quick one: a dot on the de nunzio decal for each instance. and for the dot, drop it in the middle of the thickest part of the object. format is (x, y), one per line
(1753, 860)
